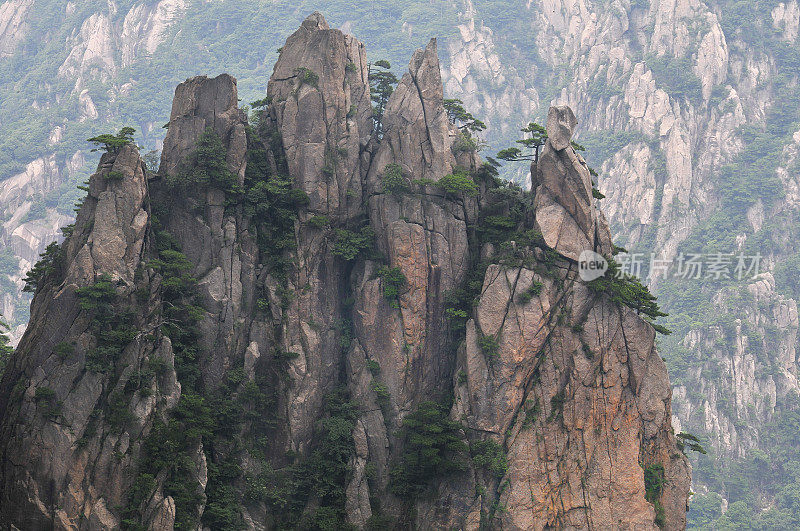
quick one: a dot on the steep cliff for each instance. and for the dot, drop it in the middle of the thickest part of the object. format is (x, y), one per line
(688, 111)
(299, 322)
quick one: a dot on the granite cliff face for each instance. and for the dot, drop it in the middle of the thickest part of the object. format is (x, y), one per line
(193, 357)
(669, 94)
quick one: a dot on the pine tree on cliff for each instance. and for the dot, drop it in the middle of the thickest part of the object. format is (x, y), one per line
(534, 138)
(381, 85)
(113, 143)
(457, 114)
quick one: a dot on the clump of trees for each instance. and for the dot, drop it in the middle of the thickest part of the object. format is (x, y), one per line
(393, 281)
(628, 290)
(393, 181)
(458, 115)
(457, 183)
(468, 126)
(433, 448)
(207, 166)
(51, 262)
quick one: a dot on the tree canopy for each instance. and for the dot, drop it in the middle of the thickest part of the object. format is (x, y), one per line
(534, 137)
(458, 115)
(113, 143)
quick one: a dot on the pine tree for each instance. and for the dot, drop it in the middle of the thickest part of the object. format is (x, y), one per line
(534, 138)
(113, 143)
(381, 86)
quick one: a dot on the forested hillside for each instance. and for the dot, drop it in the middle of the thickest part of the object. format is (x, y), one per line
(688, 110)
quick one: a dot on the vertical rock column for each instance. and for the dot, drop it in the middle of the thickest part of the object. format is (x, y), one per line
(64, 462)
(424, 235)
(321, 109)
(214, 238)
(566, 214)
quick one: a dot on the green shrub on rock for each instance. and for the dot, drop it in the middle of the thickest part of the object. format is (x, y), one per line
(458, 182)
(393, 181)
(393, 281)
(433, 448)
(349, 245)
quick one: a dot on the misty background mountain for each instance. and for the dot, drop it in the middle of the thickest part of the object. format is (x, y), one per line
(689, 111)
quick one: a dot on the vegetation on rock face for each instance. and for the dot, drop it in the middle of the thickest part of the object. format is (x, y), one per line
(113, 143)
(393, 181)
(49, 267)
(206, 166)
(654, 482)
(393, 281)
(533, 290)
(111, 324)
(691, 442)
(489, 346)
(349, 244)
(309, 493)
(381, 83)
(433, 448)
(628, 290)
(468, 127)
(307, 77)
(47, 405)
(171, 445)
(457, 183)
(501, 221)
(488, 455)
(458, 115)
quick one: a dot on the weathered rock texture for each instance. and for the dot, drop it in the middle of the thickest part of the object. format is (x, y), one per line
(566, 212)
(47, 480)
(575, 396)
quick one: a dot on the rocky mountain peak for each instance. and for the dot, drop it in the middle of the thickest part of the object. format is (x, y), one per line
(58, 378)
(417, 134)
(299, 307)
(561, 123)
(321, 107)
(315, 21)
(201, 103)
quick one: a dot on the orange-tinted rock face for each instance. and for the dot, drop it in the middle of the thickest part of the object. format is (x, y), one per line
(579, 398)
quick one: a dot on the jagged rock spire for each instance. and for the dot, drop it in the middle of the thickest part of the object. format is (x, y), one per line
(565, 209)
(417, 134)
(320, 103)
(201, 102)
(108, 239)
